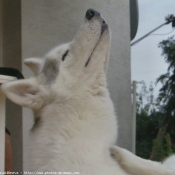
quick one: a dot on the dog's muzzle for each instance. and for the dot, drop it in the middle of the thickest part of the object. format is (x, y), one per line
(91, 13)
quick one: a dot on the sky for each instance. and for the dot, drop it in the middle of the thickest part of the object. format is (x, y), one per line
(147, 63)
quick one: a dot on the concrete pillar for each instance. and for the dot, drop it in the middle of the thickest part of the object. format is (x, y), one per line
(46, 24)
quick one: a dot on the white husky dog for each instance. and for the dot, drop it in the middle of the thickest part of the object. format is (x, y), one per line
(75, 123)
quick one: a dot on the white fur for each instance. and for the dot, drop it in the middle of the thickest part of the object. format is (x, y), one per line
(77, 124)
(170, 162)
(34, 64)
(136, 165)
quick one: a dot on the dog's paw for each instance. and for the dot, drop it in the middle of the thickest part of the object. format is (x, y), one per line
(116, 153)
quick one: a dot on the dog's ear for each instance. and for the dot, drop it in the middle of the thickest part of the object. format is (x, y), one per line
(24, 93)
(34, 64)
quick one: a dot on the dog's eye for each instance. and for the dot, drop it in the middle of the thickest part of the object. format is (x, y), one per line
(64, 55)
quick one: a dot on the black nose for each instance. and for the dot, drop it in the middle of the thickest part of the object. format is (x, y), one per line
(91, 13)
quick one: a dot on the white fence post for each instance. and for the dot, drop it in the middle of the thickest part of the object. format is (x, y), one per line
(3, 79)
(2, 131)
(134, 86)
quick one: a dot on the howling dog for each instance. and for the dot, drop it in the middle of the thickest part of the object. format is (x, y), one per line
(75, 127)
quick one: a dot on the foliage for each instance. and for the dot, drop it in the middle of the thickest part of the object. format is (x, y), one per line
(149, 119)
(145, 98)
(147, 128)
(167, 92)
(156, 117)
(164, 148)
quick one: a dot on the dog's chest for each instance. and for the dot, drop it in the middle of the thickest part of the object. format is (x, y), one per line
(72, 138)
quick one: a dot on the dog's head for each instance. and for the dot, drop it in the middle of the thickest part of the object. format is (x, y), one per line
(68, 69)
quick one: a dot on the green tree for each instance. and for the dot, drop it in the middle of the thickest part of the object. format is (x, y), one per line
(149, 121)
(166, 96)
(167, 92)
(164, 148)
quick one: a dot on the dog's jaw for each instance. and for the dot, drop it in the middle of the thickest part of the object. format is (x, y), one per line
(104, 27)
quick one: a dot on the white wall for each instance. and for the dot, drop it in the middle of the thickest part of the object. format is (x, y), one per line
(47, 23)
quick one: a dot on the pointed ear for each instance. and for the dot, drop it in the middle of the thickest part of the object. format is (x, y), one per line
(24, 93)
(34, 64)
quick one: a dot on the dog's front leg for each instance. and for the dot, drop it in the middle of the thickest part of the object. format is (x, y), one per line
(137, 166)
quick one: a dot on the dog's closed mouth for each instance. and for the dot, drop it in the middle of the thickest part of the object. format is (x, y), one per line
(88, 59)
(87, 62)
(104, 26)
